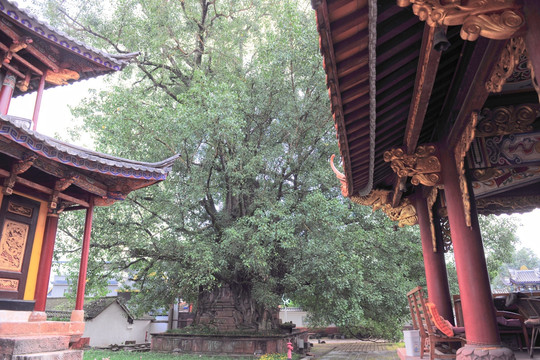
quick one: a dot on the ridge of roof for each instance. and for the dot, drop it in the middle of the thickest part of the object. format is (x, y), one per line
(80, 157)
(45, 30)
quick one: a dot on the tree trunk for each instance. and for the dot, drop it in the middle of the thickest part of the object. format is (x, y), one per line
(232, 308)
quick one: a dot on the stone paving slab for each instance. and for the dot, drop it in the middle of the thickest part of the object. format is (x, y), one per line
(353, 350)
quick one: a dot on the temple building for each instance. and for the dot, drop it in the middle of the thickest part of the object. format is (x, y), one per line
(41, 178)
(436, 111)
(523, 280)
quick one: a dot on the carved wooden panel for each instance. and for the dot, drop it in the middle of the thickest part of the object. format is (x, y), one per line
(9, 284)
(12, 245)
(20, 209)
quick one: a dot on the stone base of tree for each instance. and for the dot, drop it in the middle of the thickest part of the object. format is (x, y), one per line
(475, 352)
(229, 344)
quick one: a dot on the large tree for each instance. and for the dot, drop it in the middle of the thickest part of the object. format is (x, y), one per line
(237, 88)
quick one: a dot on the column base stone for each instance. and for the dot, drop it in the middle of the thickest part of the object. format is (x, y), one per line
(484, 352)
(77, 315)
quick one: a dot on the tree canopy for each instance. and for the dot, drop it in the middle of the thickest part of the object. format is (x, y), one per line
(237, 88)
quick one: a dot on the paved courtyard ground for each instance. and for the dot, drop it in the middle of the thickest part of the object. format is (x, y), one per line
(352, 350)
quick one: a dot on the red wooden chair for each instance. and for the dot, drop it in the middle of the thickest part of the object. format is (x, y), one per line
(430, 334)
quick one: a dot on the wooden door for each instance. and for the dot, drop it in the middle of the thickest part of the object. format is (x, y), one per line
(18, 218)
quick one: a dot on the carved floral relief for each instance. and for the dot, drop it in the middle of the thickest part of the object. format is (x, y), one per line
(9, 284)
(12, 245)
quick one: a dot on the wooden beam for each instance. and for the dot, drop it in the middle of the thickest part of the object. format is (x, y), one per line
(474, 96)
(425, 79)
(30, 48)
(13, 70)
(22, 60)
(44, 189)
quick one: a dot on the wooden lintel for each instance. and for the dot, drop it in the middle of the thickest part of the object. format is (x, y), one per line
(30, 48)
(22, 60)
(475, 96)
(44, 189)
(426, 73)
(73, 208)
(14, 71)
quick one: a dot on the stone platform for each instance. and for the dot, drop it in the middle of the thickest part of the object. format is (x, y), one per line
(26, 335)
(228, 344)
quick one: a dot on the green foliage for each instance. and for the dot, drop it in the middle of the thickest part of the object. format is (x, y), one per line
(500, 241)
(524, 257)
(278, 357)
(237, 88)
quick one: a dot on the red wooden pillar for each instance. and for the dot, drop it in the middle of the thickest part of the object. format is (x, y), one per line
(79, 302)
(7, 92)
(37, 106)
(45, 262)
(475, 293)
(434, 263)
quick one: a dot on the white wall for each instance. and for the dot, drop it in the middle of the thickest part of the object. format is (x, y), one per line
(296, 315)
(112, 327)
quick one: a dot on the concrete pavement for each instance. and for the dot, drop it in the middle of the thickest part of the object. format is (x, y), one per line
(352, 350)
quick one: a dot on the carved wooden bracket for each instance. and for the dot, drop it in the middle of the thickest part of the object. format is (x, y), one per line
(504, 120)
(377, 199)
(61, 77)
(423, 166)
(493, 19)
(60, 186)
(507, 62)
(17, 168)
(461, 151)
(404, 213)
(23, 84)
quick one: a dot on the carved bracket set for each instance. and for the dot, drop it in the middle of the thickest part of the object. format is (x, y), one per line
(404, 213)
(17, 168)
(423, 166)
(493, 19)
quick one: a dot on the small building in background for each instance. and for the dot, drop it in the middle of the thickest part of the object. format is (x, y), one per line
(523, 280)
(108, 321)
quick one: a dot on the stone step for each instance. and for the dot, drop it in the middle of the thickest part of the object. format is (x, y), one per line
(9, 329)
(33, 344)
(54, 355)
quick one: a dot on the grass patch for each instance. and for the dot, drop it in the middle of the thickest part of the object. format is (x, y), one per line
(395, 346)
(127, 355)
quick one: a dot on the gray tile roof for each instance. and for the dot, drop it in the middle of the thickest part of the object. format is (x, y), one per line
(46, 31)
(524, 277)
(78, 157)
